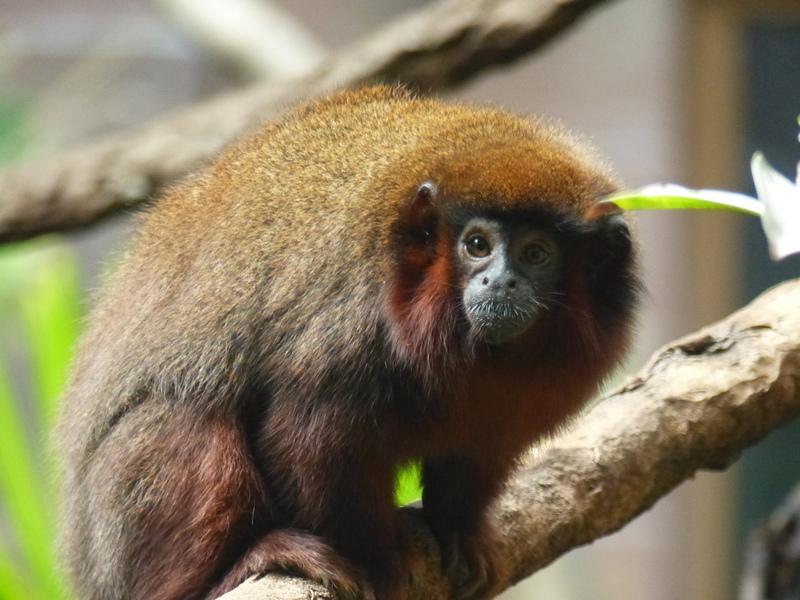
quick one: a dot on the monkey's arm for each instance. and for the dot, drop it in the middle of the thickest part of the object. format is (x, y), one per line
(334, 476)
(457, 493)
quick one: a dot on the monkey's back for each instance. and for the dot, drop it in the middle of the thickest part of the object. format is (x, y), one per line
(296, 223)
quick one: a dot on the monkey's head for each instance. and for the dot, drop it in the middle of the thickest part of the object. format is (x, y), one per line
(507, 230)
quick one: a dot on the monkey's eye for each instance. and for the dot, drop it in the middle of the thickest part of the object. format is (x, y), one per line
(536, 254)
(478, 247)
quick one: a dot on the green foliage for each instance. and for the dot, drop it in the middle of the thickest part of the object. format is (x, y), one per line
(409, 486)
(39, 315)
(778, 204)
(672, 197)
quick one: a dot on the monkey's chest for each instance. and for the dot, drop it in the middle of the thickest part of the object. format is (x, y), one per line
(512, 407)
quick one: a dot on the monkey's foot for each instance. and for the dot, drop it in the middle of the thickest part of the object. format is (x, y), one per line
(298, 553)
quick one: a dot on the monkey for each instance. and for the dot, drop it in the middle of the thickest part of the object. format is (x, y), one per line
(372, 279)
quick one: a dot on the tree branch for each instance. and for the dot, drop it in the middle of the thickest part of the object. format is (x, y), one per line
(699, 402)
(772, 562)
(256, 39)
(435, 48)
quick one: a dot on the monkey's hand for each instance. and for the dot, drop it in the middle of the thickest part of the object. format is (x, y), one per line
(471, 560)
(298, 553)
(457, 491)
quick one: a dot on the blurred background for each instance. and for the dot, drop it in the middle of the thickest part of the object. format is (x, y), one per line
(670, 91)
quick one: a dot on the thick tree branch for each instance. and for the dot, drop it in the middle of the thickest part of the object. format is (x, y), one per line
(697, 405)
(440, 46)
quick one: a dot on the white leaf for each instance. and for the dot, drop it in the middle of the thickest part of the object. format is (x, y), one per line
(781, 200)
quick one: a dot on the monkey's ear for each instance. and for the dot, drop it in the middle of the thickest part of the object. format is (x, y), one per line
(421, 216)
(611, 225)
(598, 210)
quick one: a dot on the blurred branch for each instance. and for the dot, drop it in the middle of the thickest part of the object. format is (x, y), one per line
(699, 402)
(435, 48)
(772, 566)
(258, 38)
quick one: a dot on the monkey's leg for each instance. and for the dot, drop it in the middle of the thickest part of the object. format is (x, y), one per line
(457, 492)
(170, 497)
(353, 555)
(326, 520)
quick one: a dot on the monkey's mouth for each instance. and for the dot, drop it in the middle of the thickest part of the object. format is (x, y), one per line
(497, 322)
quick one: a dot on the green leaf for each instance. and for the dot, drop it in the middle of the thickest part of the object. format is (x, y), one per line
(21, 490)
(672, 197)
(50, 306)
(13, 584)
(778, 204)
(408, 488)
(39, 299)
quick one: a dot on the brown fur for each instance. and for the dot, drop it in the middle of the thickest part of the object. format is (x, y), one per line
(283, 335)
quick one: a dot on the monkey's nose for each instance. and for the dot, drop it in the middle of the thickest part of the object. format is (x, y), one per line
(500, 284)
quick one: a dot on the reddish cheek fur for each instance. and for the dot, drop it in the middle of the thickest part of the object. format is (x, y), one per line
(422, 304)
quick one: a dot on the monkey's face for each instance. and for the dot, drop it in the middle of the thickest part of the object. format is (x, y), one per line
(502, 270)
(510, 273)
(514, 271)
